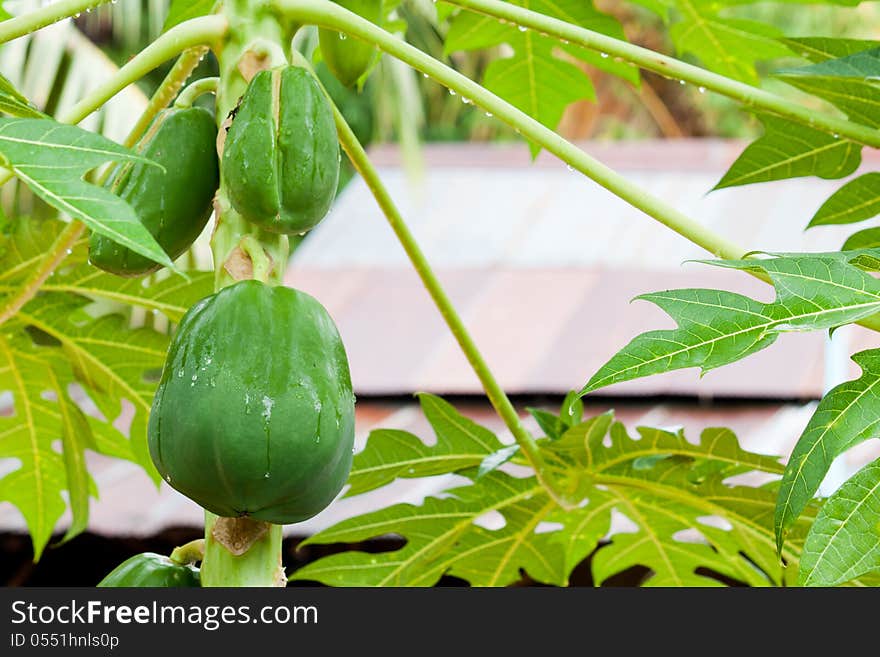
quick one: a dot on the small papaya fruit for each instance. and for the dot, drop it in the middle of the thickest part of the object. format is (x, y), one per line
(151, 570)
(174, 204)
(349, 58)
(281, 157)
(254, 413)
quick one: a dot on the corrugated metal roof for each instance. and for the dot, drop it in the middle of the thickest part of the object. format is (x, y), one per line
(543, 263)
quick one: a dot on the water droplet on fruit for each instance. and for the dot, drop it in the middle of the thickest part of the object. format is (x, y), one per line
(268, 403)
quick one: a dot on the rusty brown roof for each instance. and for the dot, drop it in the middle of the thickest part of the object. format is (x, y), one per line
(543, 264)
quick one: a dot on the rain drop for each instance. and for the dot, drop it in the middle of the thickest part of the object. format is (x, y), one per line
(451, 92)
(268, 403)
(702, 90)
(603, 55)
(522, 28)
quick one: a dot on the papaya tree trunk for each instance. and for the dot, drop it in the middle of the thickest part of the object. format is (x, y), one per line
(240, 551)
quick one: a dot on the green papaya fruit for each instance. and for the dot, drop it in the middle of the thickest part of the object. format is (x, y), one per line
(174, 204)
(254, 413)
(281, 158)
(347, 57)
(151, 570)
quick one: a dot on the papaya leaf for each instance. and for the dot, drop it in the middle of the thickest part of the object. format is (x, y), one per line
(24, 247)
(171, 296)
(858, 99)
(857, 200)
(76, 436)
(728, 46)
(43, 413)
(184, 10)
(461, 443)
(496, 459)
(860, 65)
(13, 102)
(549, 423)
(849, 83)
(863, 239)
(844, 542)
(788, 150)
(848, 415)
(35, 486)
(491, 530)
(715, 328)
(110, 359)
(51, 158)
(820, 49)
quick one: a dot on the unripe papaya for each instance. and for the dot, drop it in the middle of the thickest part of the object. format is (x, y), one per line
(174, 204)
(254, 413)
(349, 58)
(281, 157)
(151, 570)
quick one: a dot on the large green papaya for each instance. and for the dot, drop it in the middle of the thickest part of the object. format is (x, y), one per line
(254, 413)
(281, 157)
(151, 570)
(174, 204)
(346, 57)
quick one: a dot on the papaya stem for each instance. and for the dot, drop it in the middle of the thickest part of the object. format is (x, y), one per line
(195, 32)
(196, 90)
(259, 565)
(261, 264)
(259, 562)
(190, 553)
(44, 16)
